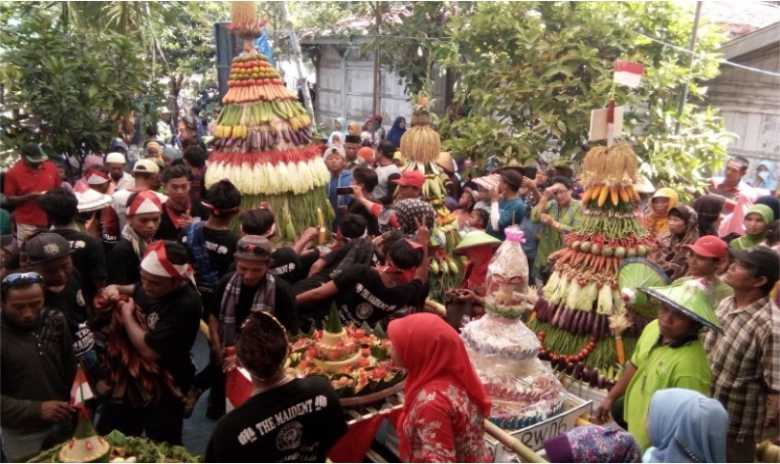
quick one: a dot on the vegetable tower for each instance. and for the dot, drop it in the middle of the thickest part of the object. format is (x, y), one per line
(263, 139)
(582, 318)
(421, 146)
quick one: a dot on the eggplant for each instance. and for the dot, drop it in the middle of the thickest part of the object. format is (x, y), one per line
(557, 314)
(563, 313)
(571, 319)
(567, 319)
(568, 368)
(583, 322)
(602, 382)
(595, 329)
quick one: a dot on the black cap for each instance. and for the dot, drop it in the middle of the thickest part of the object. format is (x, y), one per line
(45, 246)
(352, 139)
(33, 153)
(764, 261)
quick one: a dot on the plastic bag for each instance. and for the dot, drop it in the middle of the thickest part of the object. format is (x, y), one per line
(507, 276)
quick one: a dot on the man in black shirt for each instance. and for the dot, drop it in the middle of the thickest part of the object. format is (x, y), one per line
(251, 288)
(48, 254)
(211, 245)
(176, 212)
(287, 419)
(378, 294)
(88, 256)
(37, 368)
(170, 308)
(286, 262)
(143, 219)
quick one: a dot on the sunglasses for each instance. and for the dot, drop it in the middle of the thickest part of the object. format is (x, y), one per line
(22, 278)
(256, 250)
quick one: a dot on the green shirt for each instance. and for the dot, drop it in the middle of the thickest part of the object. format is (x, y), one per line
(658, 367)
(550, 239)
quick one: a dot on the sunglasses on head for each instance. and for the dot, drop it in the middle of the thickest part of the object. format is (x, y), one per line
(22, 278)
(253, 249)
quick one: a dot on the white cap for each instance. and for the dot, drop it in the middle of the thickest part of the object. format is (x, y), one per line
(115, 157)
(146, 165)
(92, 200)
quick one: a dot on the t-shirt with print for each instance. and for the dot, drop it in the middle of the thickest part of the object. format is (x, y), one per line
(363, 297)
(220, 245)
(172, 322)
(286, 264)
(296, 422)
(70, 301)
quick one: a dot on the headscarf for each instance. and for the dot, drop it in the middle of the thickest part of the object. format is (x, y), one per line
(658, 225)
(772, 202)
(339, 132)
(410, 211)
(708, 207)
(394, 136)
(431, 350)
(593, 443)
(672, 253)
(747, 242)
(686, 426)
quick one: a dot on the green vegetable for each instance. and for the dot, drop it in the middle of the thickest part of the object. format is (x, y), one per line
(333, 322)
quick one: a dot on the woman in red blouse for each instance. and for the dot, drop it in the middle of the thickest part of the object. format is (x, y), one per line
(445, 400)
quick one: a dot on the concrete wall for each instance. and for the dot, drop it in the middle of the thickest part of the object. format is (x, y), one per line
(345, 78)
(750, 102)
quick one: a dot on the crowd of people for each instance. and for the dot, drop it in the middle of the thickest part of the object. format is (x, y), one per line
(118, 267)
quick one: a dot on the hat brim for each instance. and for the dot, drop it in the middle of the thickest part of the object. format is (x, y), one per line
(406, 184)
(702, 252)
(678, 307)
(35, 158)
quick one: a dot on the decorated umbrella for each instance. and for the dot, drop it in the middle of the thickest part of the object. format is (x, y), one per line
(263, 139)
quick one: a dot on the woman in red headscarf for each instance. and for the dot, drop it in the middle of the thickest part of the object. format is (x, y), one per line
(445, 400)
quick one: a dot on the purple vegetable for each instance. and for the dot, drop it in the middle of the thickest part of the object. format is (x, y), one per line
(572, 322)
(557, 313)
(578, 370)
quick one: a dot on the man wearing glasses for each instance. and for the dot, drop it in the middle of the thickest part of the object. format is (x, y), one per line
(38, 367)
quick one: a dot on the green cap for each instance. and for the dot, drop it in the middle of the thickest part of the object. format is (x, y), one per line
(690, 297)
(476, 238)
(762, 210)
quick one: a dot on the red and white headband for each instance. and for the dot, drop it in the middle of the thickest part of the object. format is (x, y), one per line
(95, 177)
(144, 202)
(156, 262)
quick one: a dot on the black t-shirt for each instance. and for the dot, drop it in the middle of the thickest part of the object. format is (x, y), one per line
(372, 223)
(286, 264)
(284, 303)
(167, 231)
(220, 245)
(89, 258)
(173, 322)
(70, 301)
(296, 422)
(334, 258)
(125, 266)
(363, 297)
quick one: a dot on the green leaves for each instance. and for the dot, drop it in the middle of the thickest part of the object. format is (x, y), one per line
(530, 73)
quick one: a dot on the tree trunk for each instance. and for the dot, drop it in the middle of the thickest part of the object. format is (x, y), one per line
(297, 56)
(377, 95)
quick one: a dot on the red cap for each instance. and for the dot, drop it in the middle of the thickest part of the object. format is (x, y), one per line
(366, 153)
(709, 246)
(411, 178)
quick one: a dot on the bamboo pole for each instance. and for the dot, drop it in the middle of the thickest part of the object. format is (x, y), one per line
(525, 453)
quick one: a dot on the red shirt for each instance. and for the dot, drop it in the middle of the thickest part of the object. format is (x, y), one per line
(20, 180)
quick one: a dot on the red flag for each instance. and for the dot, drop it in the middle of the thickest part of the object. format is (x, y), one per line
(238, 388)
(628, 73)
